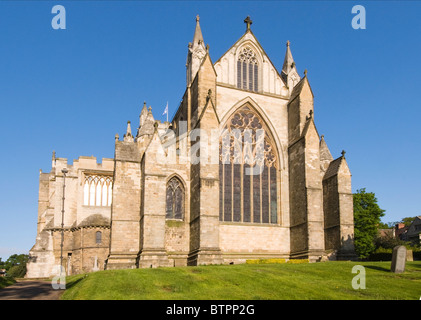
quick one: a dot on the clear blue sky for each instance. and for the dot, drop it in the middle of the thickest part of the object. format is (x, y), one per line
(72, 90)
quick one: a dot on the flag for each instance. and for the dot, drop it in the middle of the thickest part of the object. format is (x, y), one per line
(166, 111)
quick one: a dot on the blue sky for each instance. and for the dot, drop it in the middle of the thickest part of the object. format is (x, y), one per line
(72, 90)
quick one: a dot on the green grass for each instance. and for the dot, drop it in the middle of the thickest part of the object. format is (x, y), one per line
(325, 280)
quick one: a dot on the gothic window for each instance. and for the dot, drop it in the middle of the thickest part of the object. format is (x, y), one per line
(247, 171)
(97, 190)
(98, 237)
(247, 70)
(175, 199)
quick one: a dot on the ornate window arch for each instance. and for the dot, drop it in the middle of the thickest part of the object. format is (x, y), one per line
(247, 70)
(97, 190)
(248, 170)
(175, 199)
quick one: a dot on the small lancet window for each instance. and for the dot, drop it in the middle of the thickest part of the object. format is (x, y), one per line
(247, 70)
(98, 237)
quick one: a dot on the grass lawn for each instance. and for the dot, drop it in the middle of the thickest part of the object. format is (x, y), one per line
(324, 280)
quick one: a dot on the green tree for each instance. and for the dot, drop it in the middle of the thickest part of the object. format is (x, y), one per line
(367, 214)
(383, 225)
(17, 271)
(16, 260)
(407, 221)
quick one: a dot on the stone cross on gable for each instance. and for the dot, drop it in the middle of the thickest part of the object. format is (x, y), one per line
(248, 21)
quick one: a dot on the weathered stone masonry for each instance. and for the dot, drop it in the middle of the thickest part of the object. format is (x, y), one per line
(154, 205)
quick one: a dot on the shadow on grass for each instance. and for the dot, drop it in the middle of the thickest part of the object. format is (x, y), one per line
(73, 283)
(416, 265)
(409, 264)
(378, 268)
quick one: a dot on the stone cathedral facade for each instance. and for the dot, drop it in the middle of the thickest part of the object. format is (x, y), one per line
(240, 173)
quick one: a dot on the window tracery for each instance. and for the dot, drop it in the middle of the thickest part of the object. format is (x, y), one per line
(175, 199)
(97, 190)
(247, 70)
(247, 194)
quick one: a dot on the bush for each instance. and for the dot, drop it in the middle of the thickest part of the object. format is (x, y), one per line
(17, 271)
(381, 254)
(385, 254)
(389, 242)
(260, 261)
(298, 261)
(6, 281)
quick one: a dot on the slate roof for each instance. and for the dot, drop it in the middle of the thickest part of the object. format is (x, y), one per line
(333, 168)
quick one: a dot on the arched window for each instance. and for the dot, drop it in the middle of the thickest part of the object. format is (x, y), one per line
(175, 199)
(247, 70)
(98, 237)
(97, 190)
(247, 171)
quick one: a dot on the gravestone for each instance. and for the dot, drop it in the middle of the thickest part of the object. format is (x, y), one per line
(398, 259)
(95, 268)
(409, 255)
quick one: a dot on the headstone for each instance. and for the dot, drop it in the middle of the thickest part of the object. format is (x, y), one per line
(95, 268)
(398, 259)
(409, 255)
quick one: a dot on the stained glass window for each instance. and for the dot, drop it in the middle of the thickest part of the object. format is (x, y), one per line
(248, 170)
(175, 199)
(247, 70)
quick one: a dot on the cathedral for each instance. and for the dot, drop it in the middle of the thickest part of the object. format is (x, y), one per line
(239, 173)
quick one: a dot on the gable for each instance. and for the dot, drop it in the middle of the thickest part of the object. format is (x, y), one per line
(270, 80)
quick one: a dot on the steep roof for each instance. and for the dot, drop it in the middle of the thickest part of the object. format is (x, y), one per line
(299, 87)
(248, 31)
(333, 168)
(324, 150)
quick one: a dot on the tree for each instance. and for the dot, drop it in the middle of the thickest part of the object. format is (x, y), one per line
(384, 226)
(407, 221)
(367, 214)
(16, 260)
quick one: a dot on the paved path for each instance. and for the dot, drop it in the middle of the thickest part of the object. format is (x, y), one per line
(30, 290)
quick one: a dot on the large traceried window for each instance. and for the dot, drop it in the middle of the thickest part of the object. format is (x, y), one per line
(97, 190)
(247, 171)
(175, 199)
(247, 70)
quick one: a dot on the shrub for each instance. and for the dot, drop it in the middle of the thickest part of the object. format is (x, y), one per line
(387, 242)
(295, 261)
(17, 271)
(260, 261)
(380, 254)
(6, 281)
